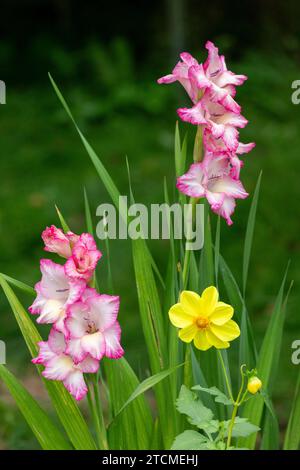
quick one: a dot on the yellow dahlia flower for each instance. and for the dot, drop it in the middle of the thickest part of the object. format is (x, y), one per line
(204, 319)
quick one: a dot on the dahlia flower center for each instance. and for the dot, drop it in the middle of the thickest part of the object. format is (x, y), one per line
(202, 323)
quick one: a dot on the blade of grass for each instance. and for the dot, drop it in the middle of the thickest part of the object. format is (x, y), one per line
(20, 285)
(253, 409)
(147, 384)
(292, 435)
(249, 233)
(133, 428)
(47, 434)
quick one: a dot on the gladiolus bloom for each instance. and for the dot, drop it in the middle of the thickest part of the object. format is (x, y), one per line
(56, 241)
(55, 292)
(84, 259)
(93, 328)
(254, 385)
(204, 320)
(60, 366)
(215, 179)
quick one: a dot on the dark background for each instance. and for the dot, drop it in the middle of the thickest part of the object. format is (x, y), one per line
(106, 57)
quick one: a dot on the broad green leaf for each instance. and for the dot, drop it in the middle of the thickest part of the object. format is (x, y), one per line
(47, 434)
(241, 428)
(132, 429)
(200, 379)
(65, 406)
(292, 435)
(249, 233)
(253, 409)
(270, 432)
(147, 384)
(220, 397)
(190, 405)
(190, 440)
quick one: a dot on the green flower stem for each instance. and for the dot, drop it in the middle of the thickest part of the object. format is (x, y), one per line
(198, 147)
(187, 254)
(237, 403)
(225, 375)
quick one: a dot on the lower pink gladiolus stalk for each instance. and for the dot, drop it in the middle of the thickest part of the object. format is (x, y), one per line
(85, 326)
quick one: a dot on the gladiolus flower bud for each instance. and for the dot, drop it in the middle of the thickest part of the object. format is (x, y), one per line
(254, 385)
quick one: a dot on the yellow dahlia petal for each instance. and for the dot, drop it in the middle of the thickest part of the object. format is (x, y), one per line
(179, 317)
(209, 298)
(215, 341)
(226, 332)
(221, 314)
(201, 342)
(188, 333)
(191, 302)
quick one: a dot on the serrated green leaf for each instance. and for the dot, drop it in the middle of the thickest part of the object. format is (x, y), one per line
(190, 405)
(241, 428)
(220, 397)
(47, 434)
(190, 440)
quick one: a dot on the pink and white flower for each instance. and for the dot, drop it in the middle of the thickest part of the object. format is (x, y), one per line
(56, 241)
(212, 179)
(60, 366)
(83, 261)
(212, 77)
(55, 293)
(93, 328)
(221, 123)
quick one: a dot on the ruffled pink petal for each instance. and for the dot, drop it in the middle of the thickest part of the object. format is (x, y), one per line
(113, 348)
(191, 183)
(194, 115)
(214, 63)
(188, 59)
(226, 209)
(45, 353)
(103, 310)
(56, 241)
(76, 323)
(226, 78)
(228, 186)
(89, 365)
(230, 138)
(76, 385)
(170, 78)
(58, 368)
(244, 148)
(57, 342)
(75, 350)
(94, 345)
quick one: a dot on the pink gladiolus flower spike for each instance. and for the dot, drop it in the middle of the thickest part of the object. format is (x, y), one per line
(55, 292)
(212, 179)
(212, 76)
(56, 241)
(60, 366)
(93, 328)
(84, 259)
